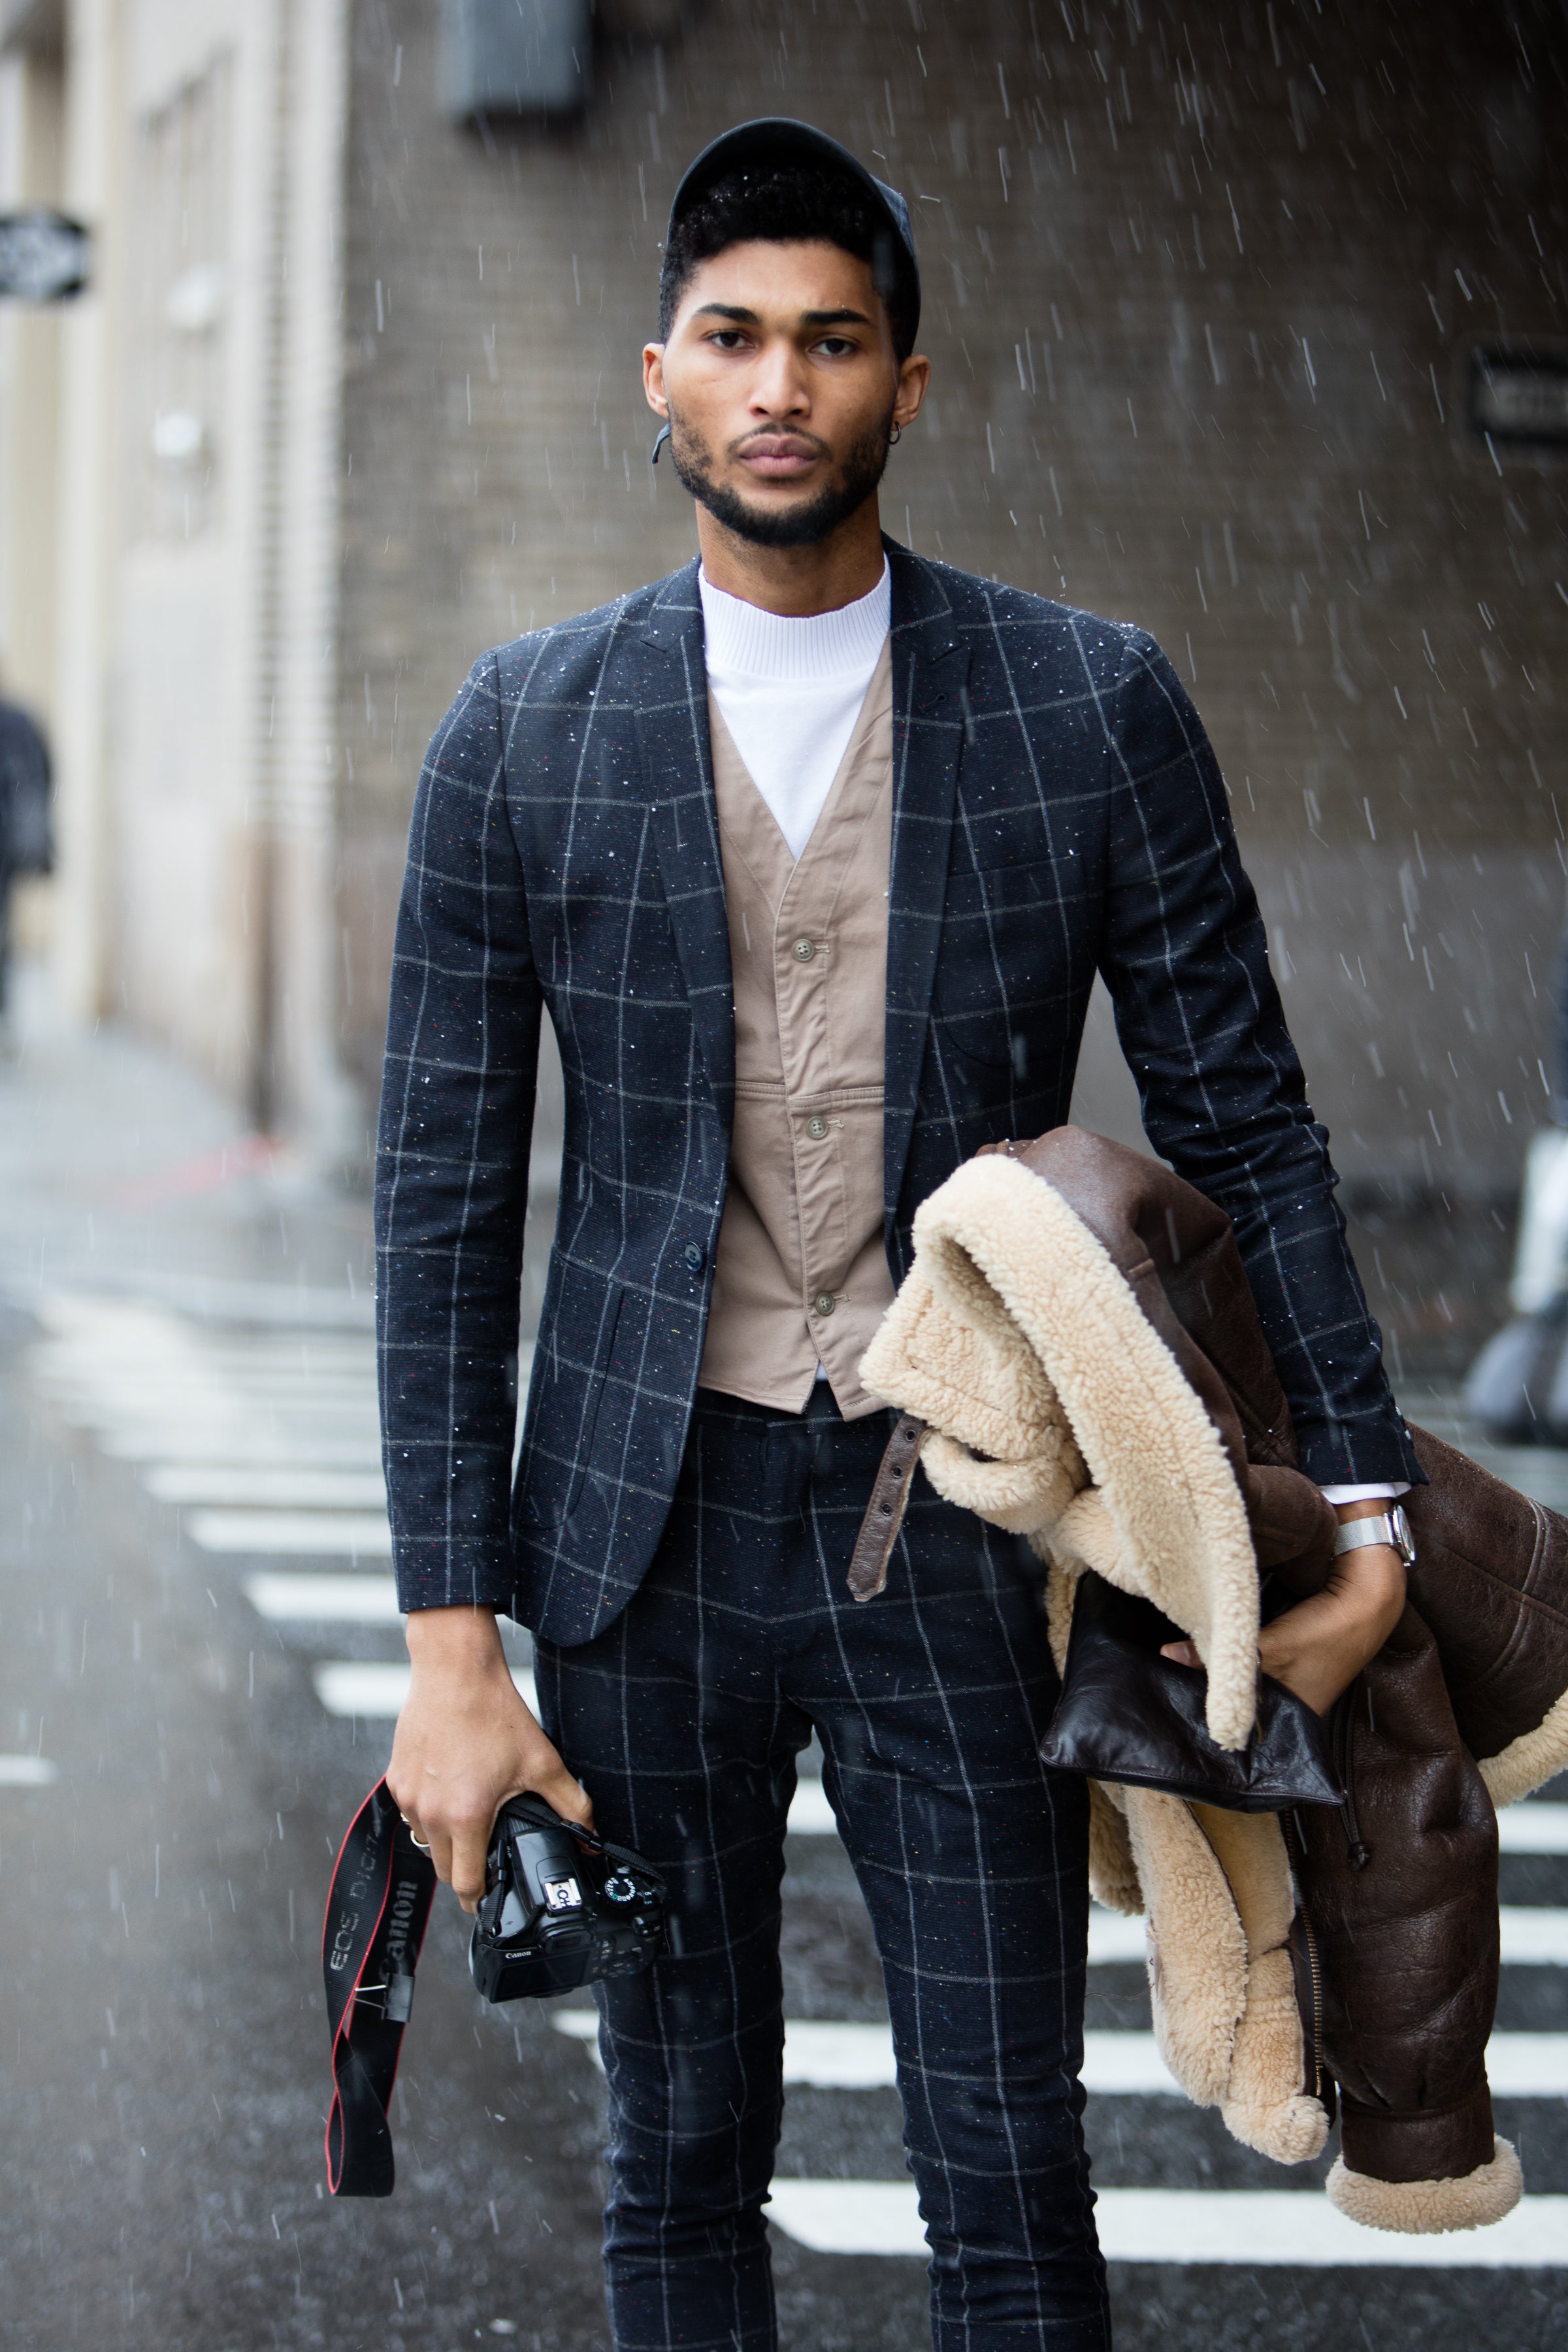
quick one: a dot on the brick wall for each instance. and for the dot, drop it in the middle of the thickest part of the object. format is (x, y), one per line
(1201, 290)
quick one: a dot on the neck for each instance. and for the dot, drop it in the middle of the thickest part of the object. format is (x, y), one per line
(796, 582)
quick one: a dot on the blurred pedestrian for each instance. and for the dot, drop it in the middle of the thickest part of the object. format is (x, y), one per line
(1516, 1389)
(26, 845)
(812, 850)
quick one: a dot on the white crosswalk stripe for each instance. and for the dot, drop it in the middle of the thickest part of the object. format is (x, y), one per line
(353, 1535)
(1535, 1936)
(1248, 2226)
(324, 1600)
(838, 2057)
(278, 1487)
(347, 1686)
(240, 1446)
(1536, 1828)
(265, 1441)
(810, 1814)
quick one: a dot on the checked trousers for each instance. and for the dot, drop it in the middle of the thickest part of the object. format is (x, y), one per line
(684, 1720)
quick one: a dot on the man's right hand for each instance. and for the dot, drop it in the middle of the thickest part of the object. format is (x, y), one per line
(465, 1743)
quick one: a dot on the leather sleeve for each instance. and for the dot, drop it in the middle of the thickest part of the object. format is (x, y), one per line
(1185, 959)
(451, 1186)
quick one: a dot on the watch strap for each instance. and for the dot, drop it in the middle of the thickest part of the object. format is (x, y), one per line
(1391, 1527)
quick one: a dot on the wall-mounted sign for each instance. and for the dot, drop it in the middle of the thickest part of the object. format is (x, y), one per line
(43, 256)
(1520, 394)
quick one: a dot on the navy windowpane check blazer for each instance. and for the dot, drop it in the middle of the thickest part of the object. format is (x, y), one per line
(1058, 809)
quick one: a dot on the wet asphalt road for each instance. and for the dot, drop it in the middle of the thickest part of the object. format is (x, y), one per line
(164, 2057)
(164, 2050)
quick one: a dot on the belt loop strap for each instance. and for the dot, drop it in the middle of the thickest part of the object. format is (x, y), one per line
(885, 1512)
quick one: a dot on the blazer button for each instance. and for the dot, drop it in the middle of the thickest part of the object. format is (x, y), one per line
(803, 950)
(824, 1302)
(816, 1129)
(694, 1256)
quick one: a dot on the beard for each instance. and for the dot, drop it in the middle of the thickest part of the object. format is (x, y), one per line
(816, 518)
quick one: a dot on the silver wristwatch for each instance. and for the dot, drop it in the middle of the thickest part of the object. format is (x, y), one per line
(1391, 1527)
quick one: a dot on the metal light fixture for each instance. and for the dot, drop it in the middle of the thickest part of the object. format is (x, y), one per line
(179, 437)
(515, 57)
(43, 256)
(1520, 394)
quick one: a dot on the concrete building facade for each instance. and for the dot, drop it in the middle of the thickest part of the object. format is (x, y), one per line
(355, 395)
(171, 535)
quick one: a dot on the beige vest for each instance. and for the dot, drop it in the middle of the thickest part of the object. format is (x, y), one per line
(801, 1274)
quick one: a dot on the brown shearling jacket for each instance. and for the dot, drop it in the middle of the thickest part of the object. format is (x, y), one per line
(1395, 1942)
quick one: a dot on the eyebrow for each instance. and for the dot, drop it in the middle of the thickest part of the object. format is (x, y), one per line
(807, 318)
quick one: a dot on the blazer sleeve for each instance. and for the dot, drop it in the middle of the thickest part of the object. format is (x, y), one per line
(451, 1186)
(1184, 956)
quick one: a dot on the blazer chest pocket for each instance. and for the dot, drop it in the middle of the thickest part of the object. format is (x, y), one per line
(1001, 932)
(575, 1348)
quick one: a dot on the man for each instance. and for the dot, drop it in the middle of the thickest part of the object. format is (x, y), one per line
(811, 852)
(25, 839)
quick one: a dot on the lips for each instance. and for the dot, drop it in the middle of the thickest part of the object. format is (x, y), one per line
(778, 459)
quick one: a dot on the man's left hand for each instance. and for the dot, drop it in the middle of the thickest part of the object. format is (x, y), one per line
(1317, 1648)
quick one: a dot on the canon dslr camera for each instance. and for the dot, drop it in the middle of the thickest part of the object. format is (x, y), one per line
(562, 1907)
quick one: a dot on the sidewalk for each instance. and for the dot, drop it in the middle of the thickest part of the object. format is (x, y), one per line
(122, 1169)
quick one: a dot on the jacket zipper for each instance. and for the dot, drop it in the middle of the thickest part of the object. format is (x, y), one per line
(1318, 2080)
(1344, 1758)
(1310, 1941)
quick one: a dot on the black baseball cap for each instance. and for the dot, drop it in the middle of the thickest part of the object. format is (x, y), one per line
(775, 140)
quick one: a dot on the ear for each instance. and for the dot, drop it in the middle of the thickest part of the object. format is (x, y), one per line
(653, 379)
(914, 377)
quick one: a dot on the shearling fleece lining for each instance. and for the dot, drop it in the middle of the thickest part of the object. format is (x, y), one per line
(1427, 2208)
(1113, 1872)
(1197, 1946)
(970, 1373)
(1265, 2104)
(1014, 1329)
(1220, 1905)
(1526, 1762)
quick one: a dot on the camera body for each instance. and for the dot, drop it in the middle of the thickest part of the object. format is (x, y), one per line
(562, 1908)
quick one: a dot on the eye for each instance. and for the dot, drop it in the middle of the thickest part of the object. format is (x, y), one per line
(727, 338)
(836, 347)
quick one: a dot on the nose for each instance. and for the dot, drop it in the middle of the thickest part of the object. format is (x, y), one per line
(779, 383)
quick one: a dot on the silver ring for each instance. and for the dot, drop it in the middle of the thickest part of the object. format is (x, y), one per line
(414, 1837)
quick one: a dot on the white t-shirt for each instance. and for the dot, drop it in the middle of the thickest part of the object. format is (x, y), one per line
(790, 690)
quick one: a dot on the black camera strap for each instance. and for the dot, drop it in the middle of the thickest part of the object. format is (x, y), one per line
(377, 1910)
(378, 1907)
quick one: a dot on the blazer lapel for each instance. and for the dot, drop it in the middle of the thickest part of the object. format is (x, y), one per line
(672, 698)
(930, 670)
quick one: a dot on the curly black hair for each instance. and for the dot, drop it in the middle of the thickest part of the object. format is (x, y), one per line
(790, 204)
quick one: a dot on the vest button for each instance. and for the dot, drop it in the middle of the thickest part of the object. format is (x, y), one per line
(803, 950)
(824, 1302)
(694, 1258)
(816, 1129)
